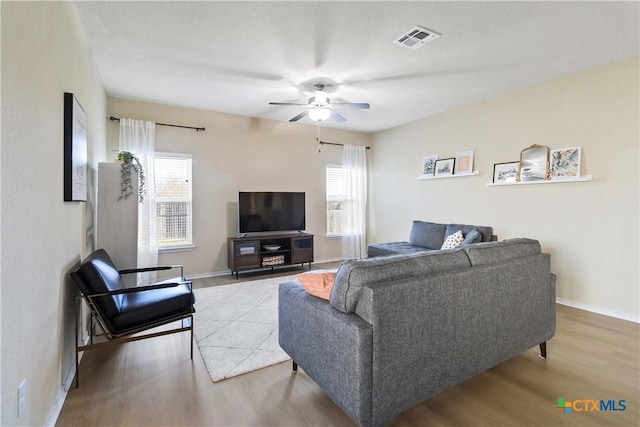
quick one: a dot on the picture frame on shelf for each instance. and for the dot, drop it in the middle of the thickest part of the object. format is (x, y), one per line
(565, 163)
(464, 163)
(445, 167)
(505, 172)
(429, 165)
(75, 150)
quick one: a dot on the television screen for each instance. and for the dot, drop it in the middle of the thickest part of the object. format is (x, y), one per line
(271, 211)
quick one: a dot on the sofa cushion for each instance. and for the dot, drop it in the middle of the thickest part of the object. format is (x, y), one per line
(473, 236)
(354, 275)
(141, 309)
(427, 234)
(453, 241)
(318, 283)
(393, 248)
(485, 231)
(491, 252)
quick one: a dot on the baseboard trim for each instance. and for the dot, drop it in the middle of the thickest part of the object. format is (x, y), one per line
(599, 310)
(320, 261)
(54, 413)
(210, 274)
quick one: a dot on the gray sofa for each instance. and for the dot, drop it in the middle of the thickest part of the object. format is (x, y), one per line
(429, 236)
(398, 330)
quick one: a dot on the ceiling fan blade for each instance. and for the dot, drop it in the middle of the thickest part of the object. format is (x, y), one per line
(359, 105)
(285, 103)
(337, 117)
(299, 116)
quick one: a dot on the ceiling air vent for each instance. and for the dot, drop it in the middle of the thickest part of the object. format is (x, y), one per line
(416, 37)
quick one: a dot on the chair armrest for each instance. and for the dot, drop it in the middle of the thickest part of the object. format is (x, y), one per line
(147, 269)
(140, 289)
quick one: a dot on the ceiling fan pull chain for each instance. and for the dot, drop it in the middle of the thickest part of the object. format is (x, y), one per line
(318, 137)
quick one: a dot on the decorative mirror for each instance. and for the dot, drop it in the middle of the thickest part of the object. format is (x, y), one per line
(534, 164)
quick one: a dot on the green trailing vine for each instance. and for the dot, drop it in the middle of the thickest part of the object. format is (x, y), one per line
(131, 163)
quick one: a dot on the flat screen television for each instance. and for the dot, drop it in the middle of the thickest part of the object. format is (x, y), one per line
(262, 211)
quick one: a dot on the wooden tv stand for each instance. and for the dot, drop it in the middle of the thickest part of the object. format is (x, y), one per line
(249, 252)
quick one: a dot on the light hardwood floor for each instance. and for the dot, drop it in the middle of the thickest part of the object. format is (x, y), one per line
(154, 383)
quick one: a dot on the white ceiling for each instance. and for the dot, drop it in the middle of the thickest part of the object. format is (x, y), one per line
(236, 57)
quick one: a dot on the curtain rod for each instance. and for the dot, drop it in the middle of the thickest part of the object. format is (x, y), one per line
(165, 124)
(335, 143)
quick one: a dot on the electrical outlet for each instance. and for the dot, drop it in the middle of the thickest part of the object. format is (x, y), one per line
(22, 397)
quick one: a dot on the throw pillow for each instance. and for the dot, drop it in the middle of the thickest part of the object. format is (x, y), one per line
(473, 236)
(453, 241)
(318, 282)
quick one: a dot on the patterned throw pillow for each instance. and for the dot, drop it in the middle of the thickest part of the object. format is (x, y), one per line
(453, 241)
(318, 282)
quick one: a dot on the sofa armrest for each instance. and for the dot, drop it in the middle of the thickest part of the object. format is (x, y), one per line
(332, 347)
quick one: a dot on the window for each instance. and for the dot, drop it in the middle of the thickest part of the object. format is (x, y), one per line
(173, 196)
(335, 200)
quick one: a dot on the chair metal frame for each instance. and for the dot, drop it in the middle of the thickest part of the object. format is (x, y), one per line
(125, 337)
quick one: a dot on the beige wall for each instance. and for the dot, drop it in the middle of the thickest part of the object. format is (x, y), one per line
(240, 154)
(590, 228)
(44, 54)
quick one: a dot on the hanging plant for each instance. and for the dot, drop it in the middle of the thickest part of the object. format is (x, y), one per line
(130, 163)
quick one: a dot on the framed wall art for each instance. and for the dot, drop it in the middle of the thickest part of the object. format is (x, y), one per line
(505, 172)
(565, 163)
(75, 150)
(429, 165)
(464, 163)
(445, 167)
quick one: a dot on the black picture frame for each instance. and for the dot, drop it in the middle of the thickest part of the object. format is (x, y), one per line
(445, 167)
(75, 150)
(505, 172)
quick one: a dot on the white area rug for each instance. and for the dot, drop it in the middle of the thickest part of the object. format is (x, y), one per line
(236, 327)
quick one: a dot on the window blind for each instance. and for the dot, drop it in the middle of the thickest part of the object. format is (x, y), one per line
(173, 195)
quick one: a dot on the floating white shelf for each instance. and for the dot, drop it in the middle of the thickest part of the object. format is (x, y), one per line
(448, 176)
(582, 178)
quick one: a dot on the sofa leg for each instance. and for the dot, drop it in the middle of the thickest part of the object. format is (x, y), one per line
(295, 366)
(543, 350)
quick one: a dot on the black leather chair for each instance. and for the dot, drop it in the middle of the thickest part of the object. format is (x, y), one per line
(123, 311)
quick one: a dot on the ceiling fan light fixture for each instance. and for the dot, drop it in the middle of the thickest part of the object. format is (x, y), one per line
(319, 108)
(319, 114)
(321, 97)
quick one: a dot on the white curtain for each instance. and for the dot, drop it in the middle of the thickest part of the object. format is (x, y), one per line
(138, 137)
(354, 165)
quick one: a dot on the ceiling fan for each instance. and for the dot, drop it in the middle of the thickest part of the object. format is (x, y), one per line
(320, 107)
